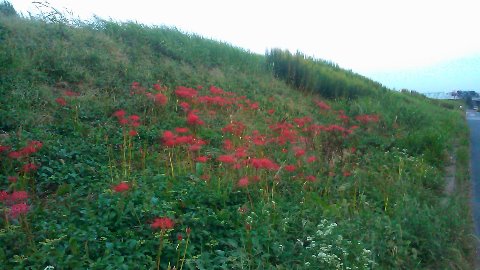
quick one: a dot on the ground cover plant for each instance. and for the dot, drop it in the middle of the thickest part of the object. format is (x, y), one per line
(124, 146)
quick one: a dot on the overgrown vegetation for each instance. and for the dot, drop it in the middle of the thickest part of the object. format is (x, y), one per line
(131, 147)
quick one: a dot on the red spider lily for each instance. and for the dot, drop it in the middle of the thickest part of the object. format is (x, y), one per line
(179, 237)
(241, 152)
(185, 92)
(299, 152)
(168, 135)
(367, 118)
(132, 133)
(122, 187)
(290, 168)
(134, 124)
(227, 159)
(162, 223)
(185, 106)
(193, 119)
(181, 130)
(263, 163)
(188, 230)
(18, 210)
(311, 159)
(134, 118)
(195, 147)
(70, 93)
(29, 167)
(243, 182)
(310, 178)
(4, 148)
(347, 173)
(216, 91)
(202, 159)
(18, 196)
(254, 106)
(12, 179)
(14, 155)
(234, 128)
(302, 121)
(184, 140)
(258, 139)
(227, 145)
(160, 99)
(353, 150)
(119, 114)
(322, 105)
(61, 101)
(123, 121)
(3, 195)
(271, 111)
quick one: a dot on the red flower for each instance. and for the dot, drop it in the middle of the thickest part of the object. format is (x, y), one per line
(322, 105)
(163, 223)
(185, 92)
(299, 152)
(215, 90)
(227, 145)
(243, 182)
(4, 148)
(133, 133)
(18, 209)
(271, 111)
(193, 119)
(119, 114)
(311, 159)
(202, 159)
(29, 167)
(18, 196)
(61, 101)
(122, 187)
(310, 178)
(3, 195)
(185, 106)
(290, 168)
(12, 179)
(347, 173)
(14, 155)
(227, 159)
(181, 130)
(70, 93)
(160, 99)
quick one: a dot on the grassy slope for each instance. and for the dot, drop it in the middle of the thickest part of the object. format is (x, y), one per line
(387, 214)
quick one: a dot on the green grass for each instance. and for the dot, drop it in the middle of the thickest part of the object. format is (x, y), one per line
(370, 199)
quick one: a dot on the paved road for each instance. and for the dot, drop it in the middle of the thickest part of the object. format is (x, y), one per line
(473, 119)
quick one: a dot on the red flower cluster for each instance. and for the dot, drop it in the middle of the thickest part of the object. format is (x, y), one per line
(122, 187)
(367, 118)
(185, 92)
(133, 121)
(162, 223)
(31, 148)
(193, 119)
(322, 105)
(171, 139)
(17, 202)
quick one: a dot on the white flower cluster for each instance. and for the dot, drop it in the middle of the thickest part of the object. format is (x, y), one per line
(327, 250)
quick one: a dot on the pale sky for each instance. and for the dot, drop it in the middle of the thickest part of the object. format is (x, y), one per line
(381, 39)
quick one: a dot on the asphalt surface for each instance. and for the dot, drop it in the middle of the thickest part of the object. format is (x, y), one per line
(473, 120)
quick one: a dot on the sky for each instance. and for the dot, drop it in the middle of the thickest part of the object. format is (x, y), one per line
(422, 45)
